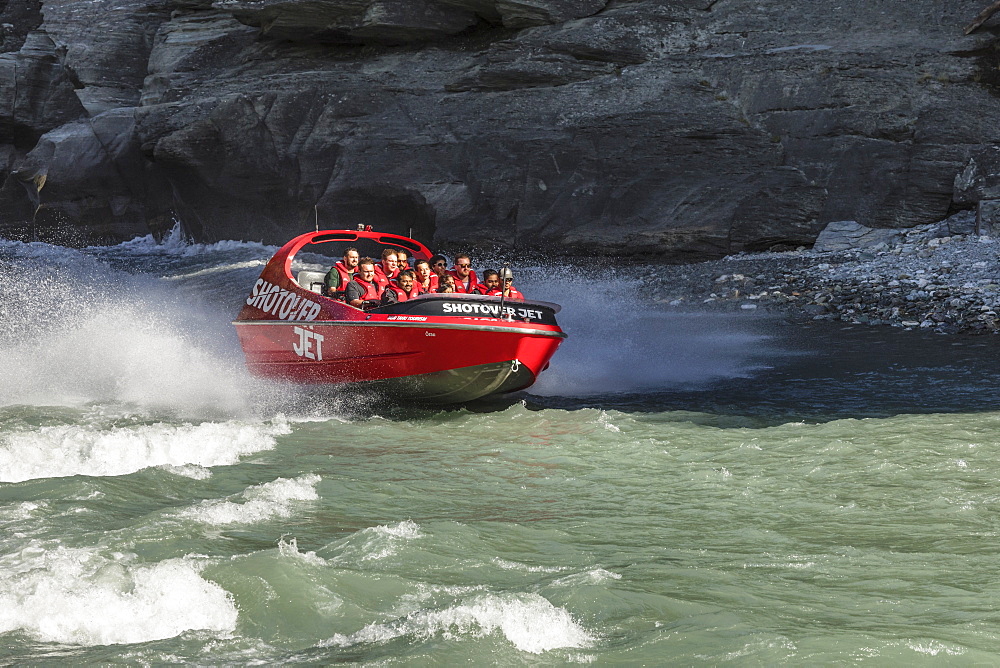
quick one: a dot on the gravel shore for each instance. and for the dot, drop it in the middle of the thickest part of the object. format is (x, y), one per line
(941, 277)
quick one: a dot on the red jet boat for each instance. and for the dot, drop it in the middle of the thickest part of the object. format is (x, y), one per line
(439, 348)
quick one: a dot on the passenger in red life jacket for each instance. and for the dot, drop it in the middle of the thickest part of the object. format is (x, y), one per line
(341, 273)
(439, 266)
(490, 285)
(465, 277)
(509, 291)
(424, 278)
(447, 284)
(387, 269)
(363, 292)
(402, 289)
(402, 260)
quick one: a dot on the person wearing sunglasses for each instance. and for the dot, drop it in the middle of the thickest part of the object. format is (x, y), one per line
(402, 260)
(439, 266)
(465, 277)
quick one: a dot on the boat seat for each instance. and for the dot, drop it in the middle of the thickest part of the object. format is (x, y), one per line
(311, 280)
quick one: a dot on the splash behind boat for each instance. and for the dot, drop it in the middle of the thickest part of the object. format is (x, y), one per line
(441, 348)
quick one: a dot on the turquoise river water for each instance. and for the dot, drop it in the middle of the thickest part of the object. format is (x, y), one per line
(679, 488)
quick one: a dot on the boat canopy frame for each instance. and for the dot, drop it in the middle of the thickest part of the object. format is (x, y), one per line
(289, 250)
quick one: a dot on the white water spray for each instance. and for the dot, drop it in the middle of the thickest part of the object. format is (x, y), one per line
(621, 342)
(77, 330)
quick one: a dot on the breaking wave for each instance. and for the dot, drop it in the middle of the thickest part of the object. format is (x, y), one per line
(81, 597)
(528, 621)
(272, 500)
(59, 451)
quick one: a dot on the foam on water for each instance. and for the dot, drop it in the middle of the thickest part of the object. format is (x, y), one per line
(59, 451)
(260, 503)
(528, 621)
(378, 542)
(80, 596)
(290, 549)
(592, 577)
(515, 566)
(18, 512)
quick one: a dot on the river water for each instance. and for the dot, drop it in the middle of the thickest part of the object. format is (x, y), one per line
(693, 488)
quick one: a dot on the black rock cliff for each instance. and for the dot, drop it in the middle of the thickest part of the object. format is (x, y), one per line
(681, 129)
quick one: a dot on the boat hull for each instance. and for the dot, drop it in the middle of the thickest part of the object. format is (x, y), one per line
(431, 362)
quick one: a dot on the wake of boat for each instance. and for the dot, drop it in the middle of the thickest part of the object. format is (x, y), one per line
(148, 324)
(621, 342)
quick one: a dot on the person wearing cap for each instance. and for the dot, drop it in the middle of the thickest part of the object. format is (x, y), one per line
(508, 290)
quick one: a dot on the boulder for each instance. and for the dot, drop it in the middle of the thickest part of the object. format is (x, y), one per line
(849, 235)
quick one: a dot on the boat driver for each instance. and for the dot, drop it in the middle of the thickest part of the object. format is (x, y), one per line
(363, 292)
(341, 273)
(402, 260)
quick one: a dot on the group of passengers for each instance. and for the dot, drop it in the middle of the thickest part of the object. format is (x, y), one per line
(366, 284)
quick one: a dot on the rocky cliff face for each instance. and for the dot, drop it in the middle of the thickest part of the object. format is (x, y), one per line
(675, 128)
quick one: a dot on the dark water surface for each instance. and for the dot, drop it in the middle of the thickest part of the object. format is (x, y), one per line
(693, 488)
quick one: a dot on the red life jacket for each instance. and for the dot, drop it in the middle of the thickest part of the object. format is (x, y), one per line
(493, 293)
(401, 294)
(514, 293)
(416, 290)
(345, 274)
(380, 278)
(380, 271)
(470, 284)
(372, 290)
(432, 283)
